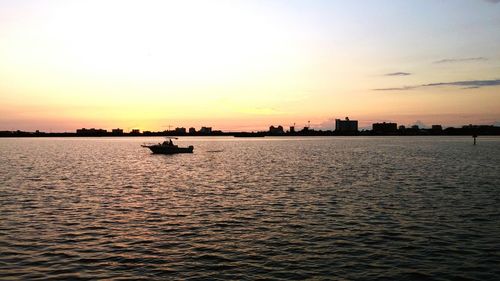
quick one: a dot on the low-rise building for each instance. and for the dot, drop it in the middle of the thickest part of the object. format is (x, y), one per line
(135, 132)
(180, 131)
(91, 132)
(117, 132)
(205, 130)
(437, 128)
(384, 128)
(276, 130)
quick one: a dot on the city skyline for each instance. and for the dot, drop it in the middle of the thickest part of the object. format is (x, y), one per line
(341, 127)
(246, 65)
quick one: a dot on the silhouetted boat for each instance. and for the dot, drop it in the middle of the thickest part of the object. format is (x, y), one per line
(168, 147)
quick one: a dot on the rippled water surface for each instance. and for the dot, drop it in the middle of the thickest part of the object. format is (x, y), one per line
(409, 208)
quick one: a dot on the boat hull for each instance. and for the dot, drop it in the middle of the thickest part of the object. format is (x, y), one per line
(158, 149)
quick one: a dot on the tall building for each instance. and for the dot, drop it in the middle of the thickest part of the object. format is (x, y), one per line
(346, 126)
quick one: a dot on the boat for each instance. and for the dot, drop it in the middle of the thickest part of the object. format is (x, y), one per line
(168, 147)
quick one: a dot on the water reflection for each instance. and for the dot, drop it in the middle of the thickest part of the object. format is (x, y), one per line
(353, 208)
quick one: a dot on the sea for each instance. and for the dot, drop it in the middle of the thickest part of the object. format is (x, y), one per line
(282, 208)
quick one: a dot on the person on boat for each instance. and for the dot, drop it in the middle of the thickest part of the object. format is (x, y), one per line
(168, 143)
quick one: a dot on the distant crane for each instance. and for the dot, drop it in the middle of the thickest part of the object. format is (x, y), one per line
(167, 126)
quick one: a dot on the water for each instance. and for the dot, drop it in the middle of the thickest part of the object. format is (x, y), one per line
(396, 208)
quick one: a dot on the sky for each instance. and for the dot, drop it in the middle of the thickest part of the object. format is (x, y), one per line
(245, 65)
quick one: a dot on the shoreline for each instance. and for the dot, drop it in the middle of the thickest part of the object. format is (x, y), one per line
(72, 135)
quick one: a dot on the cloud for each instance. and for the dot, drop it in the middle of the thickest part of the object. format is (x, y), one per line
(397, 88)
(399, 73)
(456, 60)
(470, 84)
(493, 1)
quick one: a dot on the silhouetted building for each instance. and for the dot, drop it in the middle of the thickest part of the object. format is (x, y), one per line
(305, 130)
(413, 130)
(384, 128)
(346, 126)
(276, 130)
(91, 132)
(192, 131)
(180, 131)
(473, 130)
(437, 128)
(292, 129)
(135, 132)
(205, 130)
(117, 132)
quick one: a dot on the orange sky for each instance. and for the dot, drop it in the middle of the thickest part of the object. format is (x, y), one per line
(246, 65)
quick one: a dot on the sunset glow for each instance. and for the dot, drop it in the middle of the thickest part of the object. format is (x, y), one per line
(247, 64)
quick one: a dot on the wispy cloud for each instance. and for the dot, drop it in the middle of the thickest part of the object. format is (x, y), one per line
(398, 74)
(397, 88)
(455, 60)
(470, 84)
